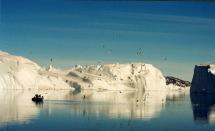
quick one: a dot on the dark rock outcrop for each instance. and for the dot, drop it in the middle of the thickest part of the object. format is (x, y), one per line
(177, 81)
(203, 80)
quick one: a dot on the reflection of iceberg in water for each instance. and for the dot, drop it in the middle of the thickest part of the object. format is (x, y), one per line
(115, 104)
(16, 107)
(203, 108)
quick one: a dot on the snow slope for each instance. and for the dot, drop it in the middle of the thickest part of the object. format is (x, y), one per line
(20, 73)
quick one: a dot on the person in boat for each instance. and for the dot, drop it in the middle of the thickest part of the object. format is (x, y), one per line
(37, 98)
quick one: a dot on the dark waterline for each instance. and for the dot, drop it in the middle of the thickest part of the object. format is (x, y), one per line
(115, 111)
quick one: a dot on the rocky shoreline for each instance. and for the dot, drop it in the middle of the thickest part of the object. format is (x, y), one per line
(177, 81)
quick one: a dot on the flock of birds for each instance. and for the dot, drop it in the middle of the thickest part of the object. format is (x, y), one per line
(139, 51)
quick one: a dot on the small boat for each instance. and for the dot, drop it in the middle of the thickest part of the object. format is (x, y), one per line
(37, 98)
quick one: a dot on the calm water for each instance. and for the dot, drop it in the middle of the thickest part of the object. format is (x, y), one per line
(108, 110)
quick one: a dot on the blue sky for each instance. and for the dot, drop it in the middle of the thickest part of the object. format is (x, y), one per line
(173, 36)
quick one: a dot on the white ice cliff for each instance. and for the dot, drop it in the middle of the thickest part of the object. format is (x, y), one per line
(138, 76)
(203, 79)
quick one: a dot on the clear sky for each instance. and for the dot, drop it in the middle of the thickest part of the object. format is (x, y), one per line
(173, 36)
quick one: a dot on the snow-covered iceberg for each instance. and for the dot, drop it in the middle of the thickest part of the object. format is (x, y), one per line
(203, 79)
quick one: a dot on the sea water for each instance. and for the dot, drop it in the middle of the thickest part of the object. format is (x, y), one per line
(106, 111)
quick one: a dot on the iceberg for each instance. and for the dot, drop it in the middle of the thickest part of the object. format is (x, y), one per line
(17, 72)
